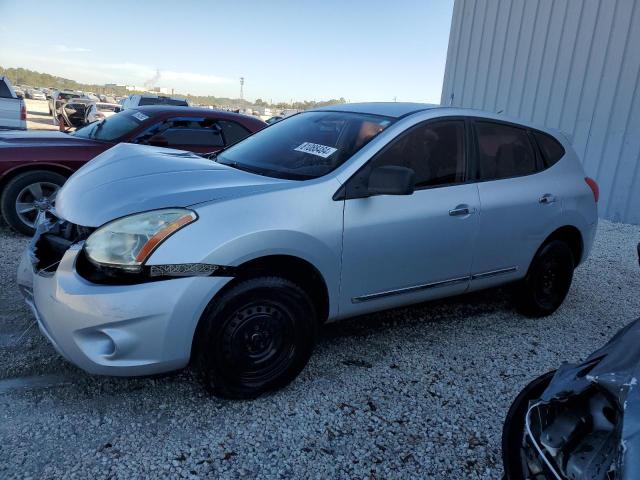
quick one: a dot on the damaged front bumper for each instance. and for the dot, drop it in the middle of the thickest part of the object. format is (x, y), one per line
(125, 330)
(582, 421)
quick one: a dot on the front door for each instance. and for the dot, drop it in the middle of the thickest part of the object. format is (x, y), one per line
(406, 249)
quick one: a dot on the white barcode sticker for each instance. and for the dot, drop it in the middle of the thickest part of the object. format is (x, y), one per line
(140, 116)
(315, 149)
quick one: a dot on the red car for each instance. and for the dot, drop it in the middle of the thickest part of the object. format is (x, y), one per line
(34, 165)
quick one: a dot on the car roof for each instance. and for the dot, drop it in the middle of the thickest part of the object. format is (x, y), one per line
(387, 109)
(403, 109)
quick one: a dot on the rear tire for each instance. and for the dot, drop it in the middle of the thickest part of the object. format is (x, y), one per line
(257, 337)
(17, 189)
(548, 281)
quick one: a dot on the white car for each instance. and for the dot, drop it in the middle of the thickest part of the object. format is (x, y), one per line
(13, 112)
(100, 111)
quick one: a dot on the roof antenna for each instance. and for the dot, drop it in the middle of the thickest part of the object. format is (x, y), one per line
(500, 111)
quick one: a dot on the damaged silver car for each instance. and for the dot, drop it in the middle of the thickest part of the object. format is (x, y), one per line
(154, 258)
(581, 421)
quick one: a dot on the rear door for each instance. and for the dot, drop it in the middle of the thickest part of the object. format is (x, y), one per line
(405, 249)
(519, 198)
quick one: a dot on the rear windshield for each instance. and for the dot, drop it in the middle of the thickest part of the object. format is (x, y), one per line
(113, 127)
(304, 146)
(4, 89)
(162, 101)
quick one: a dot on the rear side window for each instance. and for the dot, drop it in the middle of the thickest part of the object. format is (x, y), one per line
(552, 150)
(233, 132)
(504, 151)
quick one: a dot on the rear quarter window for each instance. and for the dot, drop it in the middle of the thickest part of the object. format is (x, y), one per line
(233, 132)
(552, 150)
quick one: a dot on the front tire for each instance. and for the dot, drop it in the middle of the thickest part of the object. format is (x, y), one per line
(256, 337)
(27, 194)
(548, 281)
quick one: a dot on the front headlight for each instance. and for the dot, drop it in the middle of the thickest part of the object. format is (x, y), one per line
(127, 242)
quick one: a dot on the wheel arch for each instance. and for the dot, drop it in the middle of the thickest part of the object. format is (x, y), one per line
(50, 167)
(572, 236)
(296, 269)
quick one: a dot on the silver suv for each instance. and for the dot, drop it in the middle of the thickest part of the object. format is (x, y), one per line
(158, 257)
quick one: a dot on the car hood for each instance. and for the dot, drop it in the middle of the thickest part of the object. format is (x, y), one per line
(130, 178)
(18, 139)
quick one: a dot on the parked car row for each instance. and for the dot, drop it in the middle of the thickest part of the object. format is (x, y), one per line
(154, 258)
(34, 165)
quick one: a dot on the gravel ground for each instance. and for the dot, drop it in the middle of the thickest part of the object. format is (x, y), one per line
(416, 392)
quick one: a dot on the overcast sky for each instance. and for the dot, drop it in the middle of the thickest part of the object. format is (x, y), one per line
(300, 50)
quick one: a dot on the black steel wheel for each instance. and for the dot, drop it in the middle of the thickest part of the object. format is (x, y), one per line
(256, 337)
(548, 280)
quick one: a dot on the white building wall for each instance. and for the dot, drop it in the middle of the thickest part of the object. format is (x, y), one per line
(567, 64)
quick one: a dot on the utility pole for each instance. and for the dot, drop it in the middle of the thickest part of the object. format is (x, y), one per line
(241, 88)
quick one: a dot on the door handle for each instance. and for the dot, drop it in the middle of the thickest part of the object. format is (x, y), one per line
(461, 210)
(546, 199)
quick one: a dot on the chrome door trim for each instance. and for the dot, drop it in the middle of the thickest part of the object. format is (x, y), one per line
(493, 273)
(426, 286)
(415, 288)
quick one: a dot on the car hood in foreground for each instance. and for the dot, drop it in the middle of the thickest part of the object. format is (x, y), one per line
(22, 139)
(130, 178)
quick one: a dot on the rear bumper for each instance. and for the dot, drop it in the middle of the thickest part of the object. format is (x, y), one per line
(116, 330)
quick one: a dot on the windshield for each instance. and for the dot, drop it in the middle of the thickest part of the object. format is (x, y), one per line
(307, 145)
(113, 127)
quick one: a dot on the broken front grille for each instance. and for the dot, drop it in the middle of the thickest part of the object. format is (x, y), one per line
(53, 238)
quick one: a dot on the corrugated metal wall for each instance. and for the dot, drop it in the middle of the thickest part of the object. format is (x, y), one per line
(567, 64)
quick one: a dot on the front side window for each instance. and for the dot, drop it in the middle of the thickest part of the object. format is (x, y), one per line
(304, 146)
(178, 132)
(434, 151)
(503, 151)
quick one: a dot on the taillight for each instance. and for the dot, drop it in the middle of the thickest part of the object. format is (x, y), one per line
(23, 112)
(594, 187)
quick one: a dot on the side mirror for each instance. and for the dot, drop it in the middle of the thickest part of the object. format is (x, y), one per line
(117, 110)
(158, 140)
(391, 180)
